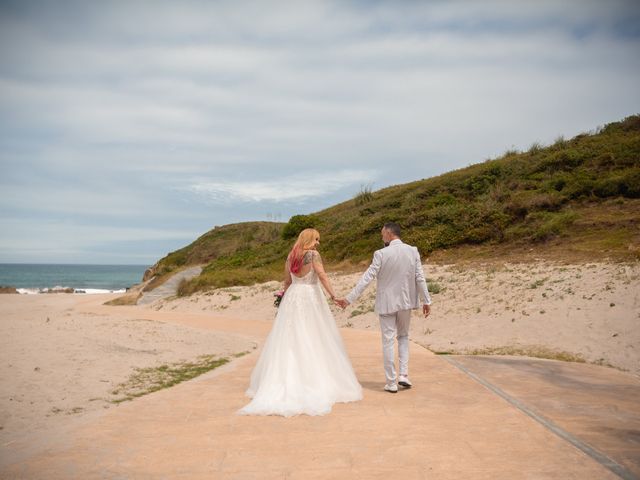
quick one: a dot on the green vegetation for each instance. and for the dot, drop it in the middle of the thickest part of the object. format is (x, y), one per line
(231, 244)
(582, 195)
(365, 195)
(148, 380)
(297, 223)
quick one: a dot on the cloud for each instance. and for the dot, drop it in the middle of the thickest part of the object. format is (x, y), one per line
(149, 113)
(295, 187)
(25, 240)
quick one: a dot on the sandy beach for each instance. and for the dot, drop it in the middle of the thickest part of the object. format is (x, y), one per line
(63, 355)
(60, 359)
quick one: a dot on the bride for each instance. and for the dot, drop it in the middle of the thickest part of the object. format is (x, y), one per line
(303, 367)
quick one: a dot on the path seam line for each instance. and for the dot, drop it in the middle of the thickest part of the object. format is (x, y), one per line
(598, 456)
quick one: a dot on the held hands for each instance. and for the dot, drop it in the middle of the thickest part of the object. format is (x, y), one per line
(341, 302)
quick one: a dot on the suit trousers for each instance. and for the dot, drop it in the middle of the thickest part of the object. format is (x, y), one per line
(395, 325)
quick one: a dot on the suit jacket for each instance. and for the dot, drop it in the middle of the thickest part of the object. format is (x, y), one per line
(400, 279)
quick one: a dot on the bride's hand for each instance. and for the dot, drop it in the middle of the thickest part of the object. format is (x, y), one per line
(341, 302)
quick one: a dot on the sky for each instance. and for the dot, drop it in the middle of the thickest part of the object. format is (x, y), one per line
(130, 128)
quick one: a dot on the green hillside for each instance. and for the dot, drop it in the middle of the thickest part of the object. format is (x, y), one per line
(228, 241)
(578, 196)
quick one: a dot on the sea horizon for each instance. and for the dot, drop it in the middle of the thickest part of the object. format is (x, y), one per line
(81, 277)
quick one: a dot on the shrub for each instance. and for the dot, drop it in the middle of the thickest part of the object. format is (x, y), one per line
(535, 148)
(548, 225)
(609, 187)
(177, 258)
(297, 223)
(560, 142)
(479, 184)
(364, 195)
(557, 182)
(550, 201)
(440, 199)
(480, 234)
(434, 287)
(563, 160)
(442, 236)
(526, 202)
(579, 185)
(631, 181)
(375, 223)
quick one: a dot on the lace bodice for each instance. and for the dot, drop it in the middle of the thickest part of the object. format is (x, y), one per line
(309, 279)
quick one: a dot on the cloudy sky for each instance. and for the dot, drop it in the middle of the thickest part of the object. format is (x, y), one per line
(129, 128)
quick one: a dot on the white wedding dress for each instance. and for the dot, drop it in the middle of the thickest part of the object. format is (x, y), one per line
(303, 367)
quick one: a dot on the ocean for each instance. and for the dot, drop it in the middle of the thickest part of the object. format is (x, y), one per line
(38, 278)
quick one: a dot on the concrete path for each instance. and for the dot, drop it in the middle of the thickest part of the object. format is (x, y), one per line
(454, 424)
(170, 287)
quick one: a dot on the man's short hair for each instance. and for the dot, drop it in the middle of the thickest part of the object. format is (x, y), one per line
(393, 228)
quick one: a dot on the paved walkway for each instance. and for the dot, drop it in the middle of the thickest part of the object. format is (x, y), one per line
(170, 287)
(460, 421)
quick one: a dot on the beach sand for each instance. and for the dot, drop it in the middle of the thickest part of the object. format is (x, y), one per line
(60, 360)
(62, 355)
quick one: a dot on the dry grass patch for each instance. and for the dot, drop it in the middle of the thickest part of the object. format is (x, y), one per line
(535, 351)
(152, 379)
(127, 299)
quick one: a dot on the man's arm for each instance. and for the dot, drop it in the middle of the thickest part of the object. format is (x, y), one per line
(367, 277)
(420, 280)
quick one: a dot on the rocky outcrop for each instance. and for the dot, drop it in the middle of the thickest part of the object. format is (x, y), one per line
(149, 273)
(58, 290)
(7, 289)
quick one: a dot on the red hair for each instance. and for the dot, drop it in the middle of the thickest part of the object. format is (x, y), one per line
(297, 252)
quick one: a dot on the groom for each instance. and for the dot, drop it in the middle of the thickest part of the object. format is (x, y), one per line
(400, 281)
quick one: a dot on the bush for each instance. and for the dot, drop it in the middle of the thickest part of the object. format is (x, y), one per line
(526, 202)
(364, 195)
(563, 160)
(450, 214)
(548, 225)
(441, 199)
(580, 185)
(609, 187)
(557, 182)
(442, 236)
(177, 258)
(631, 181)
(535, 147)
(298, 223)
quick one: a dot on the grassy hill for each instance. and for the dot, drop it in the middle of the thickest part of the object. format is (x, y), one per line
(575, 197)
(228, 241)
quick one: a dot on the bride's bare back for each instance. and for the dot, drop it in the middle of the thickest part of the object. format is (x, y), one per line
(311, 260)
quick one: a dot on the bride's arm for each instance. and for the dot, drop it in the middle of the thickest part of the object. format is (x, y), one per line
(322, 275)
(287, 276)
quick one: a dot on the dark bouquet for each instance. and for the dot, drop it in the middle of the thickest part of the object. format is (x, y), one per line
(278, 295)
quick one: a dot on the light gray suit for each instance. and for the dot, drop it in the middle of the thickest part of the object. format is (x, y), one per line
(400, 283)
